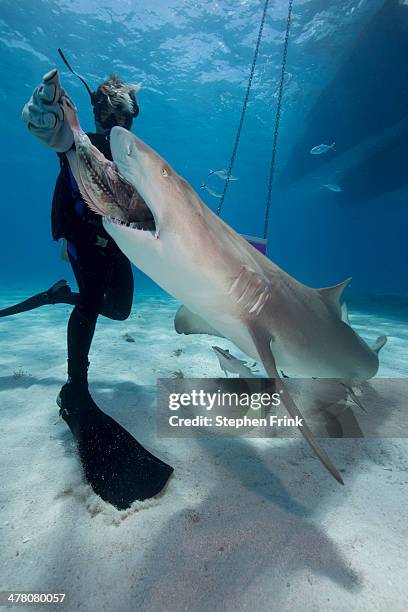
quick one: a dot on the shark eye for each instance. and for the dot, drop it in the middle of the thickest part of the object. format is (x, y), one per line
(164, 172)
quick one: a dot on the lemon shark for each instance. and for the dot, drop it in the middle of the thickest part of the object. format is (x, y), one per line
(226, 286)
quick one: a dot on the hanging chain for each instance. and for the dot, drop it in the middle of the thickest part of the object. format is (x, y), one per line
(277, 120)
(244, 107)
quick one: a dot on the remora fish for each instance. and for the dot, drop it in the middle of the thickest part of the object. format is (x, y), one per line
(229, 363)
(332, 187)
(231, 288)
(211, 191)
(322, 148)
(222, 174)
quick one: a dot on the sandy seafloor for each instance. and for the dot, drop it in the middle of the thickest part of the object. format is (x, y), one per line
(244, 524)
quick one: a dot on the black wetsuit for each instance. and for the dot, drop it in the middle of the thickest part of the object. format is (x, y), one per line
(103, 274)
(115, 464)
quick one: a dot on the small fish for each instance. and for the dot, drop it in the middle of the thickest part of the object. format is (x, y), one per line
(222, 174)
(129, 338)
(178, 374)
(229, 363)
(323, 148)
(353, 396)
(211, 191)
(332, 187)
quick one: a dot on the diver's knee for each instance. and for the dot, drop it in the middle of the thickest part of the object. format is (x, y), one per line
(115, 314)
(86, 314)
(121, 316)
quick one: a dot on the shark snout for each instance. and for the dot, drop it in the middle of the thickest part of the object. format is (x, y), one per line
(126, 144)
(130, 155)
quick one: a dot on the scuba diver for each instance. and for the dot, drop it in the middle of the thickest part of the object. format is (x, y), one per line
(103, 274)
(116, 465)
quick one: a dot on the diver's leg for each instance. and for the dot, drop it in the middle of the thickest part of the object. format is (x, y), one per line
(59, 293)
(90, 273)
(118, 298)
(105, 282)
(74, 398)
(116, 466)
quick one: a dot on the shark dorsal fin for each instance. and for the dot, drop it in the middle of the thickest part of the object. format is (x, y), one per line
(332, 295)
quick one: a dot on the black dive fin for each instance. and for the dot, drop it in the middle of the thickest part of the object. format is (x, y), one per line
(268, 361)
(58, 293)
(116, 466)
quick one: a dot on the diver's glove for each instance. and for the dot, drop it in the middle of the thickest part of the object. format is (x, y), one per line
(44, 116)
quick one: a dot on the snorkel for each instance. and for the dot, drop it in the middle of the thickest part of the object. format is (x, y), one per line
(107, 112)
(77, 75)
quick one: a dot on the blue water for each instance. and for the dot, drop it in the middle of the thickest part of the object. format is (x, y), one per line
(193, 60)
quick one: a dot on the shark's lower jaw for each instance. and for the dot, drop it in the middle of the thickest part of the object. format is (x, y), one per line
(137, 226)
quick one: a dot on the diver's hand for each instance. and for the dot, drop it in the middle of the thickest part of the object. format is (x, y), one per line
(44, 115)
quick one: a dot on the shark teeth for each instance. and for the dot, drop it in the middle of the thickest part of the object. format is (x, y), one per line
(138, 225)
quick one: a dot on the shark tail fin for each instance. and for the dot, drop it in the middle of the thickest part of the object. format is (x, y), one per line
(379, 343)
(332, 295)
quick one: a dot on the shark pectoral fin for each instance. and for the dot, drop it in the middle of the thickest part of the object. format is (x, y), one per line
(187, 322)
(268, 360)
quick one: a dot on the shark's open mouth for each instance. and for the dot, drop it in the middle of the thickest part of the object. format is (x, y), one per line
(136, 214)
(112, 196)
(105, 191)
